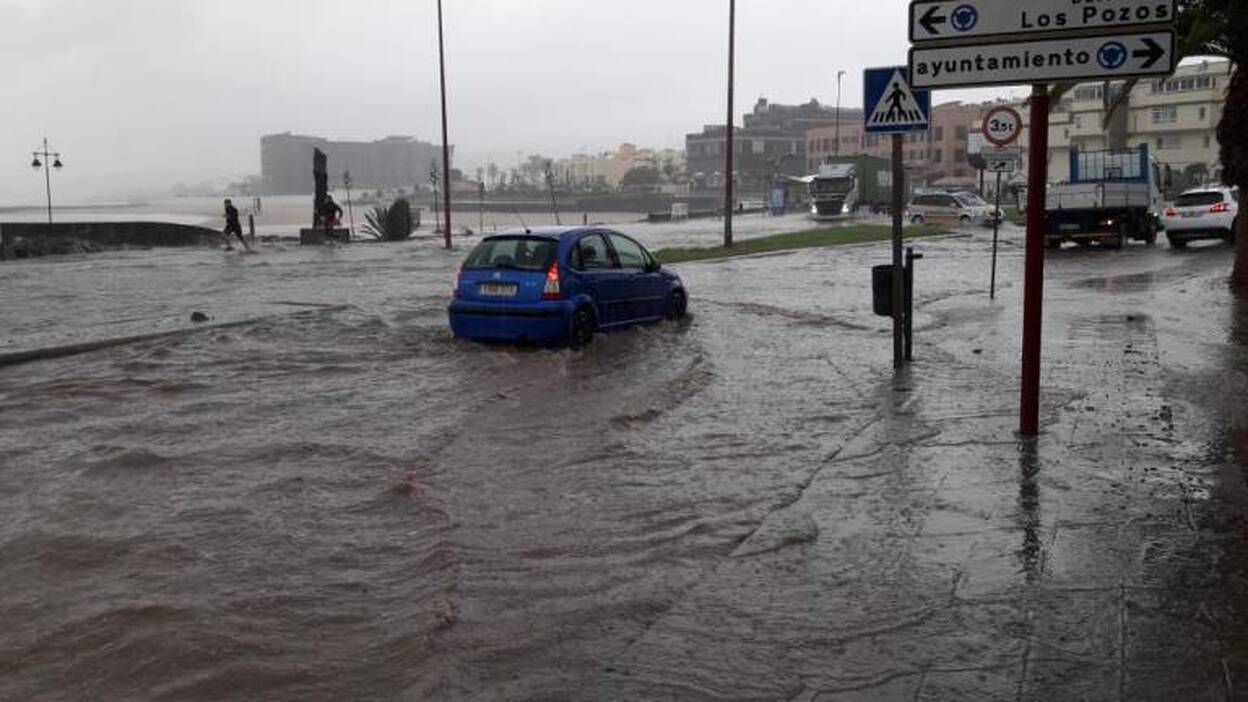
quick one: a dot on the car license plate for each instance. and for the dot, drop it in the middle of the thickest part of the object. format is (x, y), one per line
(1192, 215)
(1070, 227)
(498, 290)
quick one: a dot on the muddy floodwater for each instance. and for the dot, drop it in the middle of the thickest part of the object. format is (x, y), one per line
(319, 494)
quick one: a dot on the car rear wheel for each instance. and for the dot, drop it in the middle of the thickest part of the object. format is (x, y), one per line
(677, 305)
(916, 220)
(581, 334)
(964, 220)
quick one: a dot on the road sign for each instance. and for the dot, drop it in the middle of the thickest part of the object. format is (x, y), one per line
(1002, 125)
(1044, 61)
(937, 20)
(975, 144)
(892, 106)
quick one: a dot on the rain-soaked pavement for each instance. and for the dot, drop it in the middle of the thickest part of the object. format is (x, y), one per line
(322, 495)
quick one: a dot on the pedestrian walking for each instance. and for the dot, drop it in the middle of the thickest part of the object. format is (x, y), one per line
(331, 213)
(233, 226)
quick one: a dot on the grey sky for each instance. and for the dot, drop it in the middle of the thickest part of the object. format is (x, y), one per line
(140, 94)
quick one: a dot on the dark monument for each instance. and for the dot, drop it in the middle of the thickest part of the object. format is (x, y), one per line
(321, 232)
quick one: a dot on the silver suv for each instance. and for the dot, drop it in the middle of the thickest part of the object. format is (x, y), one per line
(1204, 213)
(950, 208)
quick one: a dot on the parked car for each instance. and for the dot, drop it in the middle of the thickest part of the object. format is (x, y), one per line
(950, 208)
(1204, 213)
(561, 284)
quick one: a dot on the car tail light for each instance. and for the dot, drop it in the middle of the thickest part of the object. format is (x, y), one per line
(552, 291)
(1171, 212)
(1220, 207)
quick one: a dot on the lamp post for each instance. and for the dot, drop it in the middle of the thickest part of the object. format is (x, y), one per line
(839, 76)
(729, 198)
(446, 144)
(55, 159)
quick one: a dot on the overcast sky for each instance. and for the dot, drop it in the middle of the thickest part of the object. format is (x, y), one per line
(142, 94)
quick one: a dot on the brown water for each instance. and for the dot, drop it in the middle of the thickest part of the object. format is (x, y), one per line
(346, 503)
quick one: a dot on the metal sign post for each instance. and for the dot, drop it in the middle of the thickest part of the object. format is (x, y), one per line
(893, 107)
(996, 230)
(1033, 271)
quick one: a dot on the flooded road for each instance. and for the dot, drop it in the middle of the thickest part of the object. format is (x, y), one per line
(323, 495)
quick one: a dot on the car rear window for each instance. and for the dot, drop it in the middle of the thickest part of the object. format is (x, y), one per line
(515, 253)
(1198, 199)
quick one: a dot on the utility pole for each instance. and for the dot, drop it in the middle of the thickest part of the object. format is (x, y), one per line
(446, 144)
(50, 160)
(729, 199)
(839, 76)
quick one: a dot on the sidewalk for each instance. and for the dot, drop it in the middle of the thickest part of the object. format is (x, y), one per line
(937, 557)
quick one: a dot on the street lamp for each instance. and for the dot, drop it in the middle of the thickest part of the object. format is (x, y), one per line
(47, 172)
(839, 76)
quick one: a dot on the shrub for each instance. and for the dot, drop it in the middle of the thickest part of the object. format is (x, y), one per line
(393, 223)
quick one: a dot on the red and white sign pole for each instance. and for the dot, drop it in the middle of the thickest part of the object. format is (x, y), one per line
(1033, 272)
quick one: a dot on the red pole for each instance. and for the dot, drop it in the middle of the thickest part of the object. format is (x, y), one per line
(1033, 275)
(446, 144)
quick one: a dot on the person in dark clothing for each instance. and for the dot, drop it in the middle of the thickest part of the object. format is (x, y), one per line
(331, 213)
(233, 226)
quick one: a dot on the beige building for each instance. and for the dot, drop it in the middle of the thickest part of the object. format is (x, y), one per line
(936, 157)
(1176, 117)
(609, 168)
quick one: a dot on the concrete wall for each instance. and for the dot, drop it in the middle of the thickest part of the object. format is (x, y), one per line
(26, 239)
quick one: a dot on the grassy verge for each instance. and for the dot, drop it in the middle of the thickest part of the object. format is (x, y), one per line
(1014, 216)
(836, 236)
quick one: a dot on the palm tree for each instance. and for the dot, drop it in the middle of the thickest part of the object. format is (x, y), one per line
(1220, 28)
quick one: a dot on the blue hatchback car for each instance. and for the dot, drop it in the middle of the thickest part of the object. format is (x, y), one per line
(561, 285)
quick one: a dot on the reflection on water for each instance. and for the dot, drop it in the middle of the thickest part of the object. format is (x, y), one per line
(1031, 555)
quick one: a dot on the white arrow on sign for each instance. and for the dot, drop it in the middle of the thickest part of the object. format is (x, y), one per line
(1000, 166)
(1045, 60)
(936, 20)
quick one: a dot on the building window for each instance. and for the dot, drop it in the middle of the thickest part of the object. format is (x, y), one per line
(1184, 85)
(1091, 92)
(939, 134)
(961, 133)
(1204, 112)
(937, 156)
(1166, 115)
(1165, 143)
(1208, 141)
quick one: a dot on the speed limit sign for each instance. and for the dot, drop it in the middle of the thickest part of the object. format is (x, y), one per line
(1003, 125)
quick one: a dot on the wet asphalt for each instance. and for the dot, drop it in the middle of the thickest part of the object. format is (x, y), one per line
(322, 495)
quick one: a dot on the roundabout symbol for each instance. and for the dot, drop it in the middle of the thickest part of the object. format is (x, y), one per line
(964, 18)
(1112, 55)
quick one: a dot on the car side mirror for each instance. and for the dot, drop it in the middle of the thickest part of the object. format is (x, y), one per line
(654, 267)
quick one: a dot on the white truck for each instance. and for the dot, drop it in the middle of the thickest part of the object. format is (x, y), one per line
(1112, 197)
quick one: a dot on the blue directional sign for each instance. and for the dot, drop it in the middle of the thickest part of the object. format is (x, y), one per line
(891, 106)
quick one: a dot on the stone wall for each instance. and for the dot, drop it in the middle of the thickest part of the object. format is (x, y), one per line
(28, 240)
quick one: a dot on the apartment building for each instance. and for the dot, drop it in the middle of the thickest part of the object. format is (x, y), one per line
(393, 162)
(771, 143)
(608, 169)
(1176, 117)
(936, 157)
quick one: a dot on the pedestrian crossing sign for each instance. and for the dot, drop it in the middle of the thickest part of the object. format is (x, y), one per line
(891, 105)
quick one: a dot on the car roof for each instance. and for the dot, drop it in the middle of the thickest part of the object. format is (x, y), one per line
(1220, 189)
(554, 233)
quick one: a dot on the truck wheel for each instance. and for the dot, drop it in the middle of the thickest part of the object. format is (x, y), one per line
(1178, 244)
(1120, 241)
